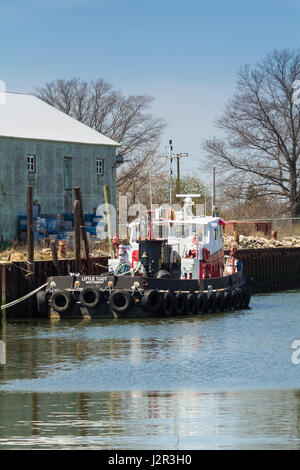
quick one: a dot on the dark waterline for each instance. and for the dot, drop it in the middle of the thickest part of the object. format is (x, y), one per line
(212, 382)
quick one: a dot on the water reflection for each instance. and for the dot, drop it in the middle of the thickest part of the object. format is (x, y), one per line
(154, 420)
(219, 381)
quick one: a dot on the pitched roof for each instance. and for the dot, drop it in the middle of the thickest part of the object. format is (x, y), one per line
(28, 117)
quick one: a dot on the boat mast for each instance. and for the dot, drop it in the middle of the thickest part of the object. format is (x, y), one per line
(170, 172)
(213, 198)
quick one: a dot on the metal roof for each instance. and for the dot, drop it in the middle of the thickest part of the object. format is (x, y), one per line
(27, 117)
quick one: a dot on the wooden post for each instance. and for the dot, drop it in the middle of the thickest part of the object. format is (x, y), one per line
(77, 195)
(108, 218)
(85, 255)
(54, 256)
(3, 288)
(30, 246)
(236, 237)
(77, 234)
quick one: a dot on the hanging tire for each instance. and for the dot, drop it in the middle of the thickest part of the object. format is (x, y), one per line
(61, 301)
(152, 300)
(180, 303)
(42, 305)
(219, 302)
(227, 300)
(191, 304)
(240, 299)
(202, 303)
(89, 297)
(168, 303)
(235, 299)
(247, 298)
(120, 301)
(211, 302)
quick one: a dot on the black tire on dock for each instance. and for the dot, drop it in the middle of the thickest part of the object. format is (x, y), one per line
(168, 303)
(202, 303)
(180, 303)
(227, 301)
(191, 304)
(42, 305)
(89, 297)
(120, 301)
(211, 302)
(61, 301)
(220, 302)
(152, 300)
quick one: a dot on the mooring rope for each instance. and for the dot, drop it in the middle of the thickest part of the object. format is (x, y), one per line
(14, 302)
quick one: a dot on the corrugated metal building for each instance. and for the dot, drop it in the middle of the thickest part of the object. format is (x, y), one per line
(43, 147)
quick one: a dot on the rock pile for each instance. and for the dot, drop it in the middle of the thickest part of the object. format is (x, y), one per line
(260, 242)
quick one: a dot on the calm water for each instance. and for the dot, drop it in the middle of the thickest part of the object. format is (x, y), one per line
(224, 381)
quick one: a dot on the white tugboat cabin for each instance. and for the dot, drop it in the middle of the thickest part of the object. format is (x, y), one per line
(192, 244)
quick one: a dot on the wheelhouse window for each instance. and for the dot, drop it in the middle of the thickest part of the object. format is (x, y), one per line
(99, 166)
(31, 163)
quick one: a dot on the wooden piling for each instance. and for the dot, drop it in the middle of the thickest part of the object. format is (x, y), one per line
(54, 256)
(108, 218)
(77, 195)
(77, 235)
(3, 290)
(30, 246)
(85, 254)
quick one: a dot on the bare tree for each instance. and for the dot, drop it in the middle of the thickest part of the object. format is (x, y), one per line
(262, 132)
(123, 119)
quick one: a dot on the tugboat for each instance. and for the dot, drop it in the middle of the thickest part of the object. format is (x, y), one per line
(174, 265)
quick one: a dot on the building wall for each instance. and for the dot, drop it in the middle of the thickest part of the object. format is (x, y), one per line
(48, 181)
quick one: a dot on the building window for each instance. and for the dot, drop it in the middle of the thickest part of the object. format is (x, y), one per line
(99, 166)
(31, 163)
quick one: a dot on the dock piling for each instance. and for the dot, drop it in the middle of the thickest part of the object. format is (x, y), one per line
(77, 195)
(77, 235)
(30, 245)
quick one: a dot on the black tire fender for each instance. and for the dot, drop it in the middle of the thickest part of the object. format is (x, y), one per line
(202, 303)
(211, 302)
(235, 299)
(152, 300)
(220, 301)
(227, 300)
(240, 299)
(191, 304)
(246, 298)
(120, 300)
(89, 297)
(42, 305)
(168, 303)
(180, 303)
(61, 301)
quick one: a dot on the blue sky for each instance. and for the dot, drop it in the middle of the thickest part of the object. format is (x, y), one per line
(183, 53)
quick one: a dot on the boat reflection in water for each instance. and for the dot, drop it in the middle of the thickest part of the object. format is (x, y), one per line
(211, 381)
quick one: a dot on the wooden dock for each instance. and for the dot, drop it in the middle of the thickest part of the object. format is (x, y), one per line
(15, 282)
(273, 269)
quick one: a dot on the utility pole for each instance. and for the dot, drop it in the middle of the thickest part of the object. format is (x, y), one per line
(170, 169)
(213, 199)
(178, 156)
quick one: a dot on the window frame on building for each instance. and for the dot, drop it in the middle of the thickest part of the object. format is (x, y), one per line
(31, 163)
(99, 166)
